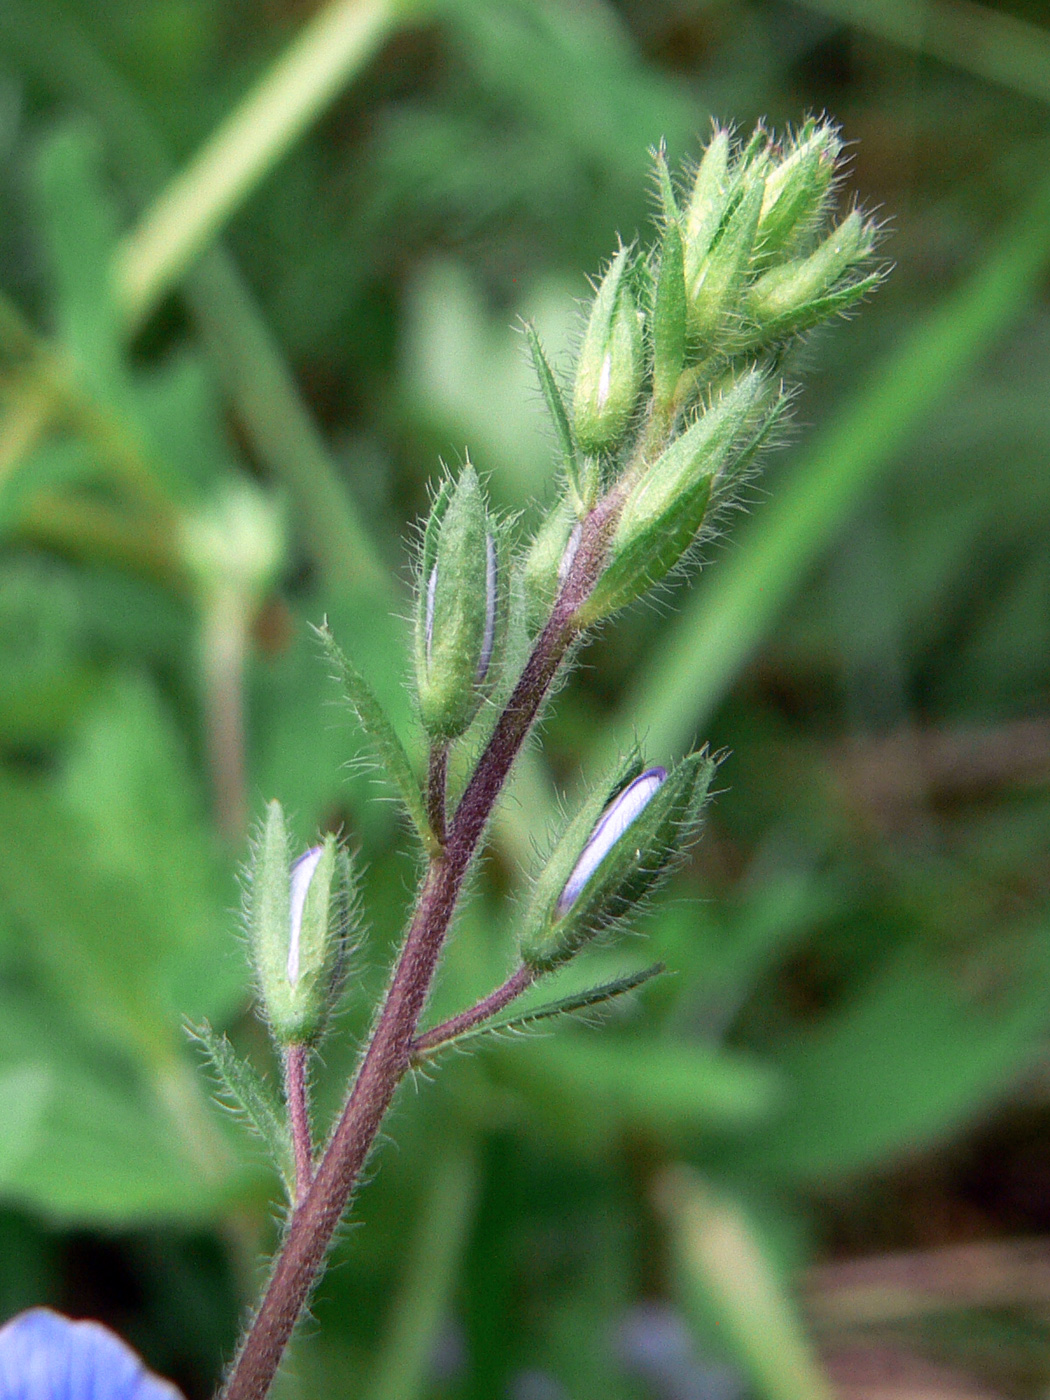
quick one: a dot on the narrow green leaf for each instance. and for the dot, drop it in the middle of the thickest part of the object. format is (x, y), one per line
(254, 1097)
(565, 1006)
(374, 722)
(556, 408)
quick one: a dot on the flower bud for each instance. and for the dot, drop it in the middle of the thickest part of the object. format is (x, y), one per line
(298, 920)
(797, 188)
(460, 611)
(235, 542)
(797, 294)
(609, 373)
(666, 505)
(612, 854)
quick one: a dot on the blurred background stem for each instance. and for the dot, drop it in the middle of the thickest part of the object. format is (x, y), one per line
(329, 52)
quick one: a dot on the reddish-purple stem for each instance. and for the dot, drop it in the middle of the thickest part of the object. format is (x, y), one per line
(389, 1054)
(296, 1094)
(437, 782)
(474, 1015)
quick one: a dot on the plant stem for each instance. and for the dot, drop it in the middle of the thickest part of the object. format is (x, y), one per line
(225, 619)
(515, 984)
(437, 783)
(296, 1093)
(389, 1054)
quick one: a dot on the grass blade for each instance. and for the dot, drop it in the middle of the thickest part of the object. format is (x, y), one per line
(330, 50)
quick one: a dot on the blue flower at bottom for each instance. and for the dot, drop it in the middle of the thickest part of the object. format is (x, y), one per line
(44, 1356)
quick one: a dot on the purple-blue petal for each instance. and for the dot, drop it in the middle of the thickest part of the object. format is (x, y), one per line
(44, 1356)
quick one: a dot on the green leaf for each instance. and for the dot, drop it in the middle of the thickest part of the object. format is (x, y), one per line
(81, 228)
(111, 872)
(911, 1057)
(89, 1141)
(556, 408)
(590, 1090)
(251, 1094)
(380, 731)
(727, 1278)
(24, 1092)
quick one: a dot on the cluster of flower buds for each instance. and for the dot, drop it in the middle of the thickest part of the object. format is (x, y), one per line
(299, 916)
(674, 389)
(621, 843)
(461, 608)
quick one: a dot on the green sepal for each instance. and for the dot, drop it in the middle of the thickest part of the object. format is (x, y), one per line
(822, 309)
(252, 1096)
(665, 508)
(384, 739)
(552, 396)
(707, 203)
(669, 318)
(609, 369)
(665, 188)
(715, 286)
(586, 1000)
(644, 854)
(787, 295)
(797, 190)
(453, 609)
(543, 562)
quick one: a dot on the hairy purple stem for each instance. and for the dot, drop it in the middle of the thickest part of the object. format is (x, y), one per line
(389, 1054)
(437, 783)
(474, 1015)
(296, 1095)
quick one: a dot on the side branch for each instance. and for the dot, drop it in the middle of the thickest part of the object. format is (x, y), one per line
(474, 1015)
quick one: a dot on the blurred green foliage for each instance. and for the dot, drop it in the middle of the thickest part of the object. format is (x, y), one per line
(861, 967)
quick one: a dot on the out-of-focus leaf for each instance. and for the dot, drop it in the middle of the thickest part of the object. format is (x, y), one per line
(112, 872)
(910, 1057)
(80, 227)
(86, 1142)
(590, 1089)
(725, 1277)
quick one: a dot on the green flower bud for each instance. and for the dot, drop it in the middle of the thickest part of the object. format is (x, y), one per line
(798, 294)
(797, 189)
(298, 921)
(461, 610)
(665, 506)
(236, 542)
(624, 840)
(609, 373)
